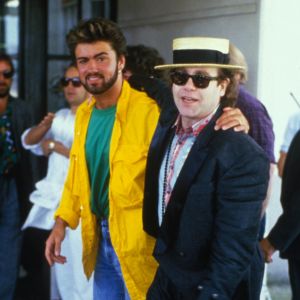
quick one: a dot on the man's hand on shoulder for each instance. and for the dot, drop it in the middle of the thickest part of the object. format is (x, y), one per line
(232, 118)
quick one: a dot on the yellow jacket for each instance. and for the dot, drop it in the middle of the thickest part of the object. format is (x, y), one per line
(136, 119)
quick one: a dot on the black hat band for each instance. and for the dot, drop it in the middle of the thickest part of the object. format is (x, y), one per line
(196, 56)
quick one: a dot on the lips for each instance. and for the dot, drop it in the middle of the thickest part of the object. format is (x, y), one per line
(94, 78)
(187, 99)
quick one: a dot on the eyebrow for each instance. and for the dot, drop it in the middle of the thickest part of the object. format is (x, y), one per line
(103, 53)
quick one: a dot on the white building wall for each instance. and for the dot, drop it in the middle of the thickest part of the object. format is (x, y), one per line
(155, 23)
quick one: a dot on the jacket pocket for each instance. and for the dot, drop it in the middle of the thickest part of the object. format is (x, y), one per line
(128, 175)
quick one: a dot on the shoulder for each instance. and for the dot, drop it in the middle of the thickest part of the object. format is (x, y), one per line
(140, 101)
(20, 108)
(294, 119)
(19, 103)
(62, 112)
(247, 100)
(236, 145)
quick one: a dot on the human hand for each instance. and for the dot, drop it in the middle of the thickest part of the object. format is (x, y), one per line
(268, 250)
(47, 120)
(53, 243)
(232, 117)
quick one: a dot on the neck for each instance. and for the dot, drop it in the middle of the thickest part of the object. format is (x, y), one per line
(110, 97)
(73, 108)
(3, 104)
(188, 123)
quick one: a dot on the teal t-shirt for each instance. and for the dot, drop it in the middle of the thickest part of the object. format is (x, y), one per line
(97, 156)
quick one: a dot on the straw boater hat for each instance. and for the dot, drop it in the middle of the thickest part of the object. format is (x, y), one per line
(200, 52)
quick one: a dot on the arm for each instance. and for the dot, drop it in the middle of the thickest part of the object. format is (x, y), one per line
(287, 227)
(267, 199)
(232, 117)
(35, 134)
(240, 191)
(281, 162)
(58, 147)
(53, 243)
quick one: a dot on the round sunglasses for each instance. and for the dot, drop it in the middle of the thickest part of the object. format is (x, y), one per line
(75, 81)
(199, 80)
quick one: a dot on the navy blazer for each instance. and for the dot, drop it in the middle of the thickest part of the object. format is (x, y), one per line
(285, 235)
(208, 237)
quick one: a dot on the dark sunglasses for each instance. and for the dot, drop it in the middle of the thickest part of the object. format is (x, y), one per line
(199, 80)
(75, 81)
(7, 74)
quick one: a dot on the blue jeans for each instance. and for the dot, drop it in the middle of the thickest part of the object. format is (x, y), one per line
(10, 237)
(108, 279)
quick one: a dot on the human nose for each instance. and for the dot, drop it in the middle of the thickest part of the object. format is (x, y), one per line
(190, 84)
(92, 65)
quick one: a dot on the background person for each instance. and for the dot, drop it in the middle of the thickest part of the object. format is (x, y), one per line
(15, 178)
(260, 123)
(285, 234)
(53, 137)
(291, 129)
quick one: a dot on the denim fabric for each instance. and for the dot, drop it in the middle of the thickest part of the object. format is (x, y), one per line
(10, 237)
(108, 279)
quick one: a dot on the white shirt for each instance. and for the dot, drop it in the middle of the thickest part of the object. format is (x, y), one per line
(48, 191)
(291, 129)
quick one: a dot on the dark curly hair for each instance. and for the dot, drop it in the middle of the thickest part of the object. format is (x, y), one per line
(94, 30)
(141, 60)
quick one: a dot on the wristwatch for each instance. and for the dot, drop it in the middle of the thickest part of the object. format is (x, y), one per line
(51, 145)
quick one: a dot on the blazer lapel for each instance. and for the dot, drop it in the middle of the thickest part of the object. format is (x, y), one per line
(160, 142)
(189, 171)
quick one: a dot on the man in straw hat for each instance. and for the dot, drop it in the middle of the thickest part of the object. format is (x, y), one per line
(204, 188)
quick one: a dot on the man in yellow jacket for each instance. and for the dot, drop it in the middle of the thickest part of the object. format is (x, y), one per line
(105, 183)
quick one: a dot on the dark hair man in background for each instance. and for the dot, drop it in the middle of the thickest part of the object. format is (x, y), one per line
(15, 178)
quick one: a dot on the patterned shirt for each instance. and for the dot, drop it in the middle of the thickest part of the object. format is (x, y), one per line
(175, 157)
(8, 153)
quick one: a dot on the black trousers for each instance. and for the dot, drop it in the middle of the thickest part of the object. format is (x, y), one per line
(294, 274)
(35, 285)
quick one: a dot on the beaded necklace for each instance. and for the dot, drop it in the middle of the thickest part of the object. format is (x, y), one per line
(169, 167)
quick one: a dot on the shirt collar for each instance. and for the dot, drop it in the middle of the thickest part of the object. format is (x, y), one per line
(195, 128)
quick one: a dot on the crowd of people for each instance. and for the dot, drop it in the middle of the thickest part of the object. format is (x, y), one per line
(158, 177)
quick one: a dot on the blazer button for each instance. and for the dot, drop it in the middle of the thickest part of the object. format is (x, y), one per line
(181, 254)
(215, 296)
(200, 287)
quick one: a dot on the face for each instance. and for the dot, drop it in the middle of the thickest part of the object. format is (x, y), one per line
(5, 83)
(74, 95)
(98, 66)
(195, 103)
